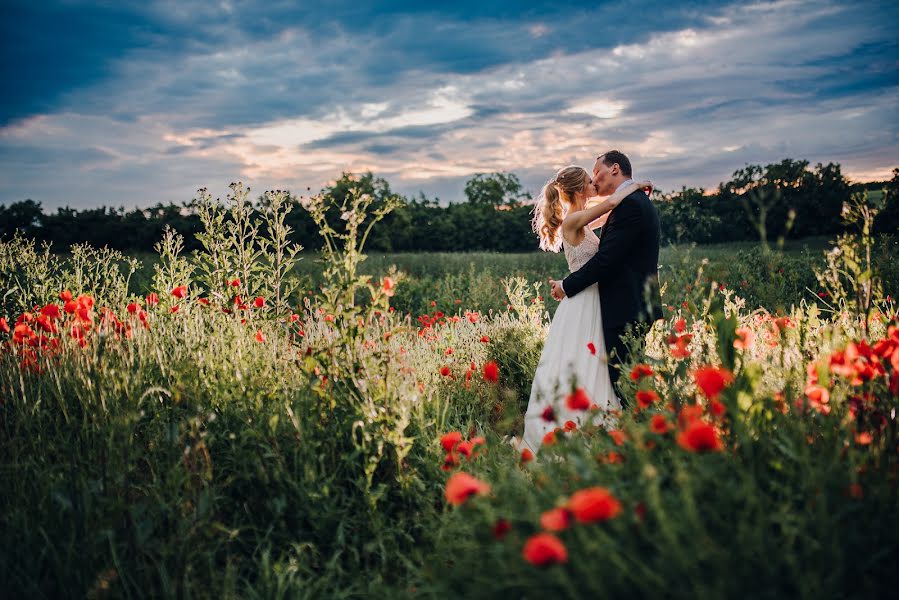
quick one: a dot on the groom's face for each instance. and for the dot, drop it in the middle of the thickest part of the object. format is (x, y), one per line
(602, 178)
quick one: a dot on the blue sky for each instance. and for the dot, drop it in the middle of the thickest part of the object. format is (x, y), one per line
(133, 103)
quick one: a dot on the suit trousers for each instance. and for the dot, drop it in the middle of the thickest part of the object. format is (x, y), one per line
(619, 352)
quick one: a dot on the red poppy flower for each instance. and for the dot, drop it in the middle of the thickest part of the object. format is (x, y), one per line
(717, 408)
(578, 400)
(548, 414)
(526, 455)
(501, 528)
(699, 436)
(618, 436)
(152, 299)
(680, 325)
(448, 352)
(645, 398)
(449, 440)
(550, 438)
(450, 461)
(640, 371)
(260, 337)
(180, 291)
(591, 347)
(659, 424)
(259, 302)
(203, 301)
(594, 504)
(544, 549)
(51, 311)
(65, 296)
(864, 438)
(745, 337)
(464, 448)
(445, 371)
(570, 426)
(234, 282)
(461, 486)
(133, 307)
(679, 345)
(4, 326)
(491, 372)
(485, 339)
(712, 380)
(818, 398)
(174, 309)
(555, 519)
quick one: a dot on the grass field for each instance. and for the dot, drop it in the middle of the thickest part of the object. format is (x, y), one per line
(189, 432)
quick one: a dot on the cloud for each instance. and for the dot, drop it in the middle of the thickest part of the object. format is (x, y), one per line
(284, 96)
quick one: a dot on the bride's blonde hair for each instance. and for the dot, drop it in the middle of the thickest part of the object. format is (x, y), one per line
(549, 210)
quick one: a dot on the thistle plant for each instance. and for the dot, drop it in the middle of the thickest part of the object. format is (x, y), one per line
(277, 251)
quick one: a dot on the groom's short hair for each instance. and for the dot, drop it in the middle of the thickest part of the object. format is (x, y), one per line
(616, 156)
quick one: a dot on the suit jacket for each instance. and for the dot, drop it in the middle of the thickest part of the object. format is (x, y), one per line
(626, 266)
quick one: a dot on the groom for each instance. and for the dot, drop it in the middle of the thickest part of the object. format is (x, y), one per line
(626, 266)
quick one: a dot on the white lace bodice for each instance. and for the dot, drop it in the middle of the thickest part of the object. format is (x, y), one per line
(577, 256)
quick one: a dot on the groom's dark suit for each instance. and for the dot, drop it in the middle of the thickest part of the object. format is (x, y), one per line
(626, 267)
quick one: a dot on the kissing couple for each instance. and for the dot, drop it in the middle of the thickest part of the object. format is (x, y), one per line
(612, 290)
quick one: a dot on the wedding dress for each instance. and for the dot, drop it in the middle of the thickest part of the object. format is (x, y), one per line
(567, 358)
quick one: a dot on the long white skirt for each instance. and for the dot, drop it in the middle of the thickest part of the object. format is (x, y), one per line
(567, 362)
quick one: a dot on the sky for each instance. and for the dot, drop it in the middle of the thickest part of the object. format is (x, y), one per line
(134, 103)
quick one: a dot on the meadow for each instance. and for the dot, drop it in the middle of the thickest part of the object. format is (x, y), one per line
(253, 422)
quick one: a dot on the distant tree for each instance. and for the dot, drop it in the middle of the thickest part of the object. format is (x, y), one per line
(494, 189)
(24, 216)
(887, 220)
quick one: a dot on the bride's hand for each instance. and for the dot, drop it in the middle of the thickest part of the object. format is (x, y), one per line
(646, 186)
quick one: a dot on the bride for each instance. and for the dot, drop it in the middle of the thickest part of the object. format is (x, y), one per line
(574, 352)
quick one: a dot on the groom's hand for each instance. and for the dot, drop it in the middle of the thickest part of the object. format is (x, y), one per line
(558, 293)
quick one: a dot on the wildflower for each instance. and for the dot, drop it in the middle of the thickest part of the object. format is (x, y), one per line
(679, 345)
(591, 347)
(464, 448)
(864, 438)
(526, 455)
(445, 371)
(448, 352)
(618, 436)
(450, 461)
(203, 301)
(174, 309)
(152, 299)
(555, 519)
(640, 371)
(51, 311)
(594, 504)
(550, 438)
(260, 337)
(659, 424)
(699, 436)
(717, 408)
(65, 296)
(548, 414)
(818, 398)
(491, 372)
(544, 549)
(387, 285)
(234, 282)
(461, 486)
(680, 325)
(578, 400)
(4, 326)
(133, 307)
(259, 302)
(449, 440)
(745, 337)
(485, 339)
(180, 292)
(645, 398)
(501, 528)
(712, 380)
(570, 426)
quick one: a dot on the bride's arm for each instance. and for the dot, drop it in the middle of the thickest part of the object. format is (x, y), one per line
(576, 220)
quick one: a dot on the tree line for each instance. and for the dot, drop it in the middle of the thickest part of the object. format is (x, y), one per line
(788, 199)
